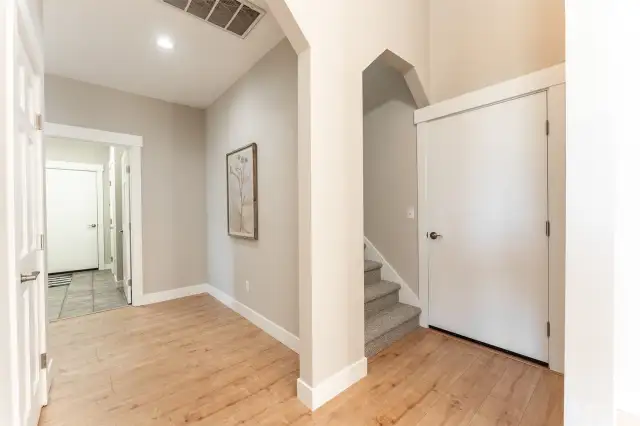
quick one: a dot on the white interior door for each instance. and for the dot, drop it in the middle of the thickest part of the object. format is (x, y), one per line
(29, 261)
(126, 225)
(487, 199)
(72, 220)
(112, 214)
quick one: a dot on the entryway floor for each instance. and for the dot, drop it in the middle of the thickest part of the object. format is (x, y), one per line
(89, 292)
(195, 361)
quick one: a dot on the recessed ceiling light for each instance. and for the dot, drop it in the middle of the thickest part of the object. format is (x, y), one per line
(165, 43)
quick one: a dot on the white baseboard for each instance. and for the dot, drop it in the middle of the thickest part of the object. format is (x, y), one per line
(407, 295)
(106, 266)
(163, 296)
(317, 396)
(285, 337)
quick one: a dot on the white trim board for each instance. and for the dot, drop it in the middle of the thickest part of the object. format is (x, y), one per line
(178, 293)
(134, 143)
(525, 85)
(390, 274)
(274, 330)
(315, 397)
(99, 170)
(91, 135)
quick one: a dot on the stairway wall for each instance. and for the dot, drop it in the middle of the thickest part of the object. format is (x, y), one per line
(390, 177)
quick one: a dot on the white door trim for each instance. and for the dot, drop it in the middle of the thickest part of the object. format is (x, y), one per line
(134, 143)
(549, 79)
(521, 86)
(99, 170)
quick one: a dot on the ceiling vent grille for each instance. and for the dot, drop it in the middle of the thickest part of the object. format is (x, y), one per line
(235, 16)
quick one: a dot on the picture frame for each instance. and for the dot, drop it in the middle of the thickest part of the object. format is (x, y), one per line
(242, 192)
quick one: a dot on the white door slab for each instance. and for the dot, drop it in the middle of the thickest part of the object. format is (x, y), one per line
(30, 285)
(487, 198)
(126, 225)
(72, 220)
(112, 214)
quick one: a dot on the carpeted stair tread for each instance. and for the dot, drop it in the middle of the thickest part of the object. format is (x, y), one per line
(371, 265)
(388, 319)
(379, 289)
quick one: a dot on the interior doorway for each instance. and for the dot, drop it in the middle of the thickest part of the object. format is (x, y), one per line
(85, 224)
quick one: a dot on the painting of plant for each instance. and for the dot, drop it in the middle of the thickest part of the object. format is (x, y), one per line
(242, 195)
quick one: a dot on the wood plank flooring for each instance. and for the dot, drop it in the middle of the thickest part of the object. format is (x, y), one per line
(194, 361)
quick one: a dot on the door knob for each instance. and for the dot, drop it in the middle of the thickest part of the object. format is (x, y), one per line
(29, 277)
(434, 235)
(93, 225)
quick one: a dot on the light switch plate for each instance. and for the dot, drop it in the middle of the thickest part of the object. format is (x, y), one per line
(411, 213)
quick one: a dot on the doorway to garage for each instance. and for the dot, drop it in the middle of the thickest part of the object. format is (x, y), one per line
(88, 250)
(492, 178)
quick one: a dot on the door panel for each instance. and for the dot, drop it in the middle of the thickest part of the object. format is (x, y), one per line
(487, 198)
(126, 226)
(112, 214)
(72, 220)
(28, 208)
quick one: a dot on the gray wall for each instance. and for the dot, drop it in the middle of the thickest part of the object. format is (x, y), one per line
(75, 151)
(173, 172)
(390, 171)
(261, 107)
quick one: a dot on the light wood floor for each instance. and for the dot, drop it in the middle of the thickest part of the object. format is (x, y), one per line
(194, 361)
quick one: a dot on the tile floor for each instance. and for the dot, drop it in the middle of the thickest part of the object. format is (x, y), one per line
(89, 291)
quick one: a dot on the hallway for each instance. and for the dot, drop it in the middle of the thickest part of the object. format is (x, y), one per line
(195, 361)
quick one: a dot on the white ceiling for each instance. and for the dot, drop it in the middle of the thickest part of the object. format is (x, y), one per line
(113, 43)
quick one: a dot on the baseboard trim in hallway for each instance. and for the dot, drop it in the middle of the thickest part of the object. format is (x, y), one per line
(178, 293)
(274, 330)
(316, 397)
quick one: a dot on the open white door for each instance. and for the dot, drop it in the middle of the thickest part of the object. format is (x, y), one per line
(126, 225)
(112, 214)
(25, 213)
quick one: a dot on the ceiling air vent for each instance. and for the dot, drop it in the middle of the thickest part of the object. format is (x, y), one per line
(236, 16)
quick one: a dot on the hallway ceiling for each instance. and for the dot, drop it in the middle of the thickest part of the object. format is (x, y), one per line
(113, 44)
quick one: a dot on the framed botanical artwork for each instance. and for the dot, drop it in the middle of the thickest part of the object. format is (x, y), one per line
(242, 192)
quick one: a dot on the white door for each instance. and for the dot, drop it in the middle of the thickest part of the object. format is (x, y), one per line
(112, 214)
(126, 226)
(487, 199)
(29, 260)
(72, 220)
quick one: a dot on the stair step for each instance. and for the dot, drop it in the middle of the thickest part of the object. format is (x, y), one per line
(372, 272)
(379, 296)
(388, 326)
(371, 265)
(379, 289)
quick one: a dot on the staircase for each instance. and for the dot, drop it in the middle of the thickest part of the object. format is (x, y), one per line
(386, 319)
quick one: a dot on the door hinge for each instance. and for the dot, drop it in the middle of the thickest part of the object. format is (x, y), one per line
(548, 228)
(38, 122)
(128, 169)
(548, 127)
(112, 258)
(41, 242)
(43, 361)
(548, 329)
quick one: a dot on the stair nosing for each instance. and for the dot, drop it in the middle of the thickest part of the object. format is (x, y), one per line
(417, 312)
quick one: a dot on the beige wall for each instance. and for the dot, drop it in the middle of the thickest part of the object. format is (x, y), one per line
(479, 43)
(173, 172)
(75, 151)
(261, 107)
(390, 175)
